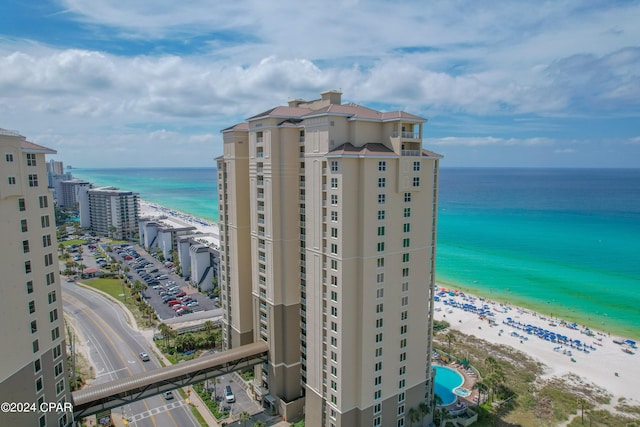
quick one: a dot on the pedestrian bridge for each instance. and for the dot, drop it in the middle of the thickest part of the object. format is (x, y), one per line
(101, 397)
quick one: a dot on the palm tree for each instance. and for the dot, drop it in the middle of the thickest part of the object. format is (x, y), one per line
(424, 410)
(244, 417)
(259, 424)
(482, 388)
(167, 333)
(413, 415)
(450, 337)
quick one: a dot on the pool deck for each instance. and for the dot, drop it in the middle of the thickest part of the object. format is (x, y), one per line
(470, 377)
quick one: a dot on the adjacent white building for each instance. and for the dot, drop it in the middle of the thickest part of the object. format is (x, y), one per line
(110, 211)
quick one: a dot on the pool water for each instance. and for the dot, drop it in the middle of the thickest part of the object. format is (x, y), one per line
(446, 381)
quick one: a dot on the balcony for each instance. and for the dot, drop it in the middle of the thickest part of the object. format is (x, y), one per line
(406, 135)
(412, 153)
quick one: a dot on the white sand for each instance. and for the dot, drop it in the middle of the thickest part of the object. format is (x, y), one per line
(598, 367)
(153, 210)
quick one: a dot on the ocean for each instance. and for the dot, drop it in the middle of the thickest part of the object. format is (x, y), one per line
(564, 242)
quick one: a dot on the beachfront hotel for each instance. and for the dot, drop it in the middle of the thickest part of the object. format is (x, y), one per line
(109, 211)
(327, 234)
(33, 355)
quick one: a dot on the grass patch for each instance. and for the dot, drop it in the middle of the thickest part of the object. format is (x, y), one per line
(67, 243)
(114, 287)
(213, 406)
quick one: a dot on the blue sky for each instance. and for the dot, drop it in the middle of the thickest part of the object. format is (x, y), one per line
(144, 84)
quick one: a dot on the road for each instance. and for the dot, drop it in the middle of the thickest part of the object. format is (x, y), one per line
(112, 347)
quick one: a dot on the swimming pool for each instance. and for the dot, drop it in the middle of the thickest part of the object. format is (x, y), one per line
(446, 381)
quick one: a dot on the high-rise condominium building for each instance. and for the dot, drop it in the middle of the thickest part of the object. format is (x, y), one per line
(328, 234)
(109, 211)
(32, 353)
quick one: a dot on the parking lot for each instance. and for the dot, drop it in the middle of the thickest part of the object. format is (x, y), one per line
(169, 294)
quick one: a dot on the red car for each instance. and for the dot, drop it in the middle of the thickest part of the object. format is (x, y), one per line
(181, 294)
(173, 302)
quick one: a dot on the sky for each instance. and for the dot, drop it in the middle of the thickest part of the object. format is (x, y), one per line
(109, 83)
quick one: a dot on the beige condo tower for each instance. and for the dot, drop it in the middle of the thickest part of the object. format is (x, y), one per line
(328, 235)
(32, 350)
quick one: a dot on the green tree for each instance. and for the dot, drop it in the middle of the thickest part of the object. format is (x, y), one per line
(413, 416)
(259, 424)
(167, 333)
(450, 338)
(244, 417)
(424, 410)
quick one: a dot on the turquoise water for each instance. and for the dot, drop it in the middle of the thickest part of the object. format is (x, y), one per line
(446, 381)
(561, 241)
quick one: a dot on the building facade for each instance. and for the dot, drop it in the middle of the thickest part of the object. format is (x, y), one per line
(33, 353)
(110, 211)
(328, 216)
(68, 192)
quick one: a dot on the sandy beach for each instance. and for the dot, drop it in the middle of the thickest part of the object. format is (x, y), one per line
(153, 210)
(598, 364)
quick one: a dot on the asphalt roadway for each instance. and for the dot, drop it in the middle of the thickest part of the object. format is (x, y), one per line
(113, 347)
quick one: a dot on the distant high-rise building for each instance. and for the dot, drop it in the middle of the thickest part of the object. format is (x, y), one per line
(328, 218)
(68, 193)
(109, 211)
(32, 354)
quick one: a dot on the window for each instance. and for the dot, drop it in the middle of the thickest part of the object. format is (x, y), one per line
(416, 166)
(377, 408)
(44, 221)
(403, 357)
(406, 228)
(380, 246)
(23, 225)
(29, 287)
(379, 337)
(27, 267)
(381, 199)
(405, 286)
(34, 326)
(405, 257)
(32, 307)
(404, 301)
(334, 296)
(377, 421)
(39, 384)
(44, 202)
(49, 277)
(334, 249)
(403, 343)
(59, 387)
(8, 157)
(405, 272)
(416, 181)
(57, 370)
(31, 159)
(334, 199)
(406, 242)
(403, 329)
(21, 206)
(380, 278)
(33, 180)
(404, 315)
(401, 397)
(55, 333)
(382, 166)
(379, 352)
(379, 323)
(400, 422)
(334, 216)
(25, 246)
(57, 351)
(42, 421)
(53, 315)
(382, 182)
(400, 412)
(377, 380)
(52, 297)
(407, 212)
(334, 233)
(377, 395)
(12, 180)
(334, 266)
(334, 371)
(381, 215)
(407, 197)
(46, 240)
(36, 346)
(334, 311)
(334, 166)
(381, 230)
(379, 308)
(37, 365)
(334, 341)
(334, 183)
(380, 262)
(379, 293)
(48, 260)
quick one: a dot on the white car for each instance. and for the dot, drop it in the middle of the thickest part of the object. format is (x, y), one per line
(144, 357)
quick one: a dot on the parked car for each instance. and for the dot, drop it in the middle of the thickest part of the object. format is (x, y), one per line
(181, 294)
(228, 395)
(173, 302)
